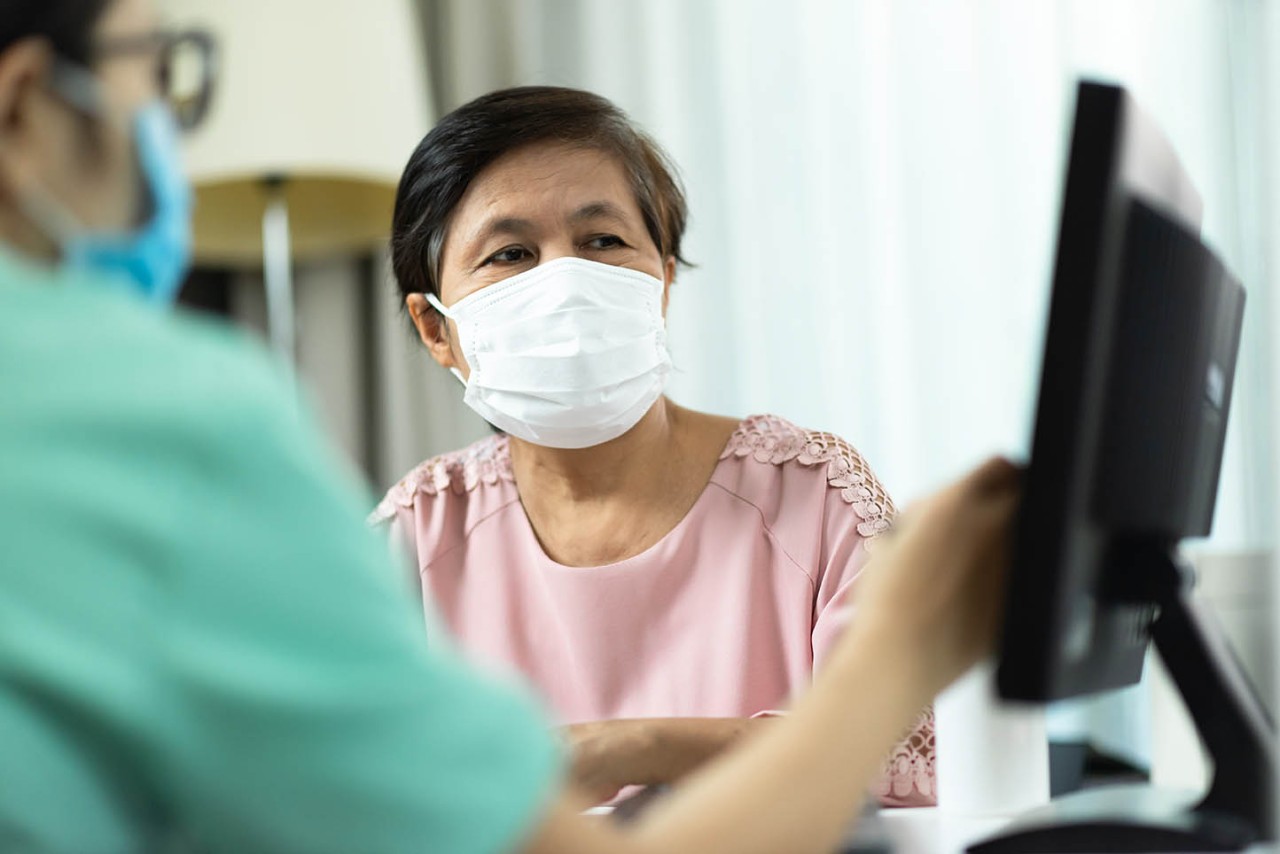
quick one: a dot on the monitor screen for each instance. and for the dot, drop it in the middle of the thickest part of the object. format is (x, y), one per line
(1135, 386)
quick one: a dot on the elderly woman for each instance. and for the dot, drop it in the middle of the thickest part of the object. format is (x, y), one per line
(661, 575)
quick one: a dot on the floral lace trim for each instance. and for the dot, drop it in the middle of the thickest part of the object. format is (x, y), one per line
(487, 461)
(769, 439)
(910, 771)
(765, 438)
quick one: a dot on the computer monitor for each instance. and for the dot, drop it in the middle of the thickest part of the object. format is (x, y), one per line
(1139, 360)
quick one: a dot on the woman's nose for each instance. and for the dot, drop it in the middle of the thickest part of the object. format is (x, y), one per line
(564, 250)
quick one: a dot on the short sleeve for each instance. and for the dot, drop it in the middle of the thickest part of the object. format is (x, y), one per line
(854, 516)
(397, 528)
(304, 711)
(857, 508)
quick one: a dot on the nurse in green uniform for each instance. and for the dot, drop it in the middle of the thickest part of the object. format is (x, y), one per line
(202, 647)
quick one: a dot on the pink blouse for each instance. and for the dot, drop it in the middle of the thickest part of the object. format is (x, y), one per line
(725, 616)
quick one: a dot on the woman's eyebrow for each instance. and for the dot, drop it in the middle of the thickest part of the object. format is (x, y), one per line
(599, 210)
(473, 247)
(519, 227)
(502, 225)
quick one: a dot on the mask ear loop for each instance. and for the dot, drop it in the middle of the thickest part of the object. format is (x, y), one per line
(77, 86)
(439, 306)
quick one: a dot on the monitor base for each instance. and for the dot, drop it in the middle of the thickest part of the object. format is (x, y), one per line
(1129, 818)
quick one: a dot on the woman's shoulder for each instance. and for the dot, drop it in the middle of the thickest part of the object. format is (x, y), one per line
(770, 448)
(483, 465)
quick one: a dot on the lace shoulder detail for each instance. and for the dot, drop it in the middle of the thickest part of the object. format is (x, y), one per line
(486, 462)
(772, 440)
(909, 774)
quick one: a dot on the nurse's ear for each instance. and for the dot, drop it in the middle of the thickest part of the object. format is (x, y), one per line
(434, 332)
(25, 117)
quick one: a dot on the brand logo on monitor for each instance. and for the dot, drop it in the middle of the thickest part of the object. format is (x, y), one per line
(1214, 385)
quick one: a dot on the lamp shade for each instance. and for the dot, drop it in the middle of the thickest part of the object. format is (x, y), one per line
(328, 98)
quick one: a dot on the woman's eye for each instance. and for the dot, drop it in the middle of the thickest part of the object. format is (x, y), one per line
(510, 255)
(606, 241)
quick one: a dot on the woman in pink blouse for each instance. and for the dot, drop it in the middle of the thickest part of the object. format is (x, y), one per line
(663, 576)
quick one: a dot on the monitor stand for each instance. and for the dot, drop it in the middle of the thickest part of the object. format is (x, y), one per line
(1237, 732)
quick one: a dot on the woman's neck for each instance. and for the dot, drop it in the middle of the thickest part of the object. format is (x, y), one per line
(625, 465)
(601, 505)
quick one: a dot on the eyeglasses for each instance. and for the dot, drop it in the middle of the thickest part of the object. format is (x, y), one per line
(186, 68)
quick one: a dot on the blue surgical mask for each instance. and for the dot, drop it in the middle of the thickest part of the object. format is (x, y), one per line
(155, 257)
(151, 260)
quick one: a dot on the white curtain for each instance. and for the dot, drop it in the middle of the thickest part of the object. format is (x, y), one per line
(875, 188)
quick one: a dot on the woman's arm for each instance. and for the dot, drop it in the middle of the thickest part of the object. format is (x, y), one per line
(797, 786)
(608, 755)
(794, 789)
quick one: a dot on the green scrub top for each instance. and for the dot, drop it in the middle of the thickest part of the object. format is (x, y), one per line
(201, 645)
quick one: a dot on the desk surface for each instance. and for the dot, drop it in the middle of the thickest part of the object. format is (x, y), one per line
(929, 830)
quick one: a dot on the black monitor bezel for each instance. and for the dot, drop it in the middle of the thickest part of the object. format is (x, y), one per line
(1117, 154)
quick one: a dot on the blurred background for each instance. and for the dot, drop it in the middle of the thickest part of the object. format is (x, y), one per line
(874, 189)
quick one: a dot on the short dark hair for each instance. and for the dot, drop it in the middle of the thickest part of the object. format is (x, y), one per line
(67, 24)
(471, 137)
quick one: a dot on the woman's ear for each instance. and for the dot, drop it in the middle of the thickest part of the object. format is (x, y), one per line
(668, 279)
(433, 330)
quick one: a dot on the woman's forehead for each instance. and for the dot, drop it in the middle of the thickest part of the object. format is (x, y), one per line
(548, 179)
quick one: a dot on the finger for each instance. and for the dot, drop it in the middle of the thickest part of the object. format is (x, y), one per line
(996, 552)
(995, 475)
(998, 506)
(989, 522)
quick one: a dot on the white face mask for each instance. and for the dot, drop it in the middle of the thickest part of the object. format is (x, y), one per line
(570, 354)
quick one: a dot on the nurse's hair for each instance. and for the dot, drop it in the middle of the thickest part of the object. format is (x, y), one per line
(471, 137)
(67, 25)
